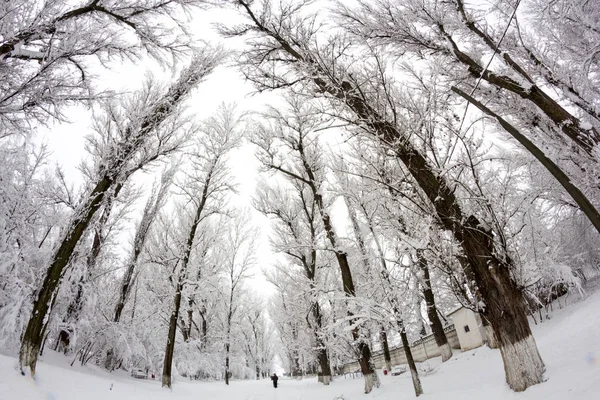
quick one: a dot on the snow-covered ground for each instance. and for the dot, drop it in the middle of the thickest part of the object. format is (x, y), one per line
(569, 342)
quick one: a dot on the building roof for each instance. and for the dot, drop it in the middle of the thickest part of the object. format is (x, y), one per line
(455, 309)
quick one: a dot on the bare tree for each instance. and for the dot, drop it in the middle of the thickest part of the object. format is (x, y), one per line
(522, 77)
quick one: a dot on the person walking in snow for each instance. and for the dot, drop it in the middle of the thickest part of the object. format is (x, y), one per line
(274, 378)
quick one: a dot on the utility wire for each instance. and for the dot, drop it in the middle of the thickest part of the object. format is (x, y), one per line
(489, 62)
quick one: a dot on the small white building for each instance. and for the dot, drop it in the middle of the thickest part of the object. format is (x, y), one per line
(469, 329)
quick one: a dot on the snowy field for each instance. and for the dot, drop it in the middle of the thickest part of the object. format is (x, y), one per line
(569, 342)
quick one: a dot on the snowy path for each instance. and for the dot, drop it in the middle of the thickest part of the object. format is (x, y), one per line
(569, 343)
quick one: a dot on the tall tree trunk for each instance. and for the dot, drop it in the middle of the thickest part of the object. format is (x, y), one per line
(35, 330)
(436, 325)
(124, 291)
(369, 373)
(227, 347)
(393, 300)
(190, 319)
(420, 323)
(414, 373)
(363, 350)
(228, 334)
(410, 360)
(170, 348)
(76, 305)
(386, 349)
(203, 326)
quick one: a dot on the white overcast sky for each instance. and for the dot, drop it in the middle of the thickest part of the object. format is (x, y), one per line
(66, 141)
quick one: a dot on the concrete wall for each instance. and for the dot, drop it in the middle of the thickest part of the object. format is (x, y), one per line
(422, 350)
(466, 318)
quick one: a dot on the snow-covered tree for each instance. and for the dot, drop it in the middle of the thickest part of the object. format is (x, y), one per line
(279, 55)
(287, 144)
(131, 143)
(51, 50)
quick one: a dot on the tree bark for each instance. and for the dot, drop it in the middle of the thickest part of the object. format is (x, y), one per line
(75, 307)
(170, 348)
(410, 360)
(203, 326)
(228, 336)
(386, 349)
(369, 373)
(436, 325)
(227, 346)
(34, 333)
(321, 348)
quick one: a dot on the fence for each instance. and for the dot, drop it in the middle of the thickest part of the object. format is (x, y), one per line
(421, 349)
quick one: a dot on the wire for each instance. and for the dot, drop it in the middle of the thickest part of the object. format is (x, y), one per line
(489, 62)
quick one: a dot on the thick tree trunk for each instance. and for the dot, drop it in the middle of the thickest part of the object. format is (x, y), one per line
(324, 364)
(436, 325)
(504, 309)
(366, 364)
(386, 349)
(490, 337)
(75, 307)
(170, 348)
(320, 346)
(34, 333)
